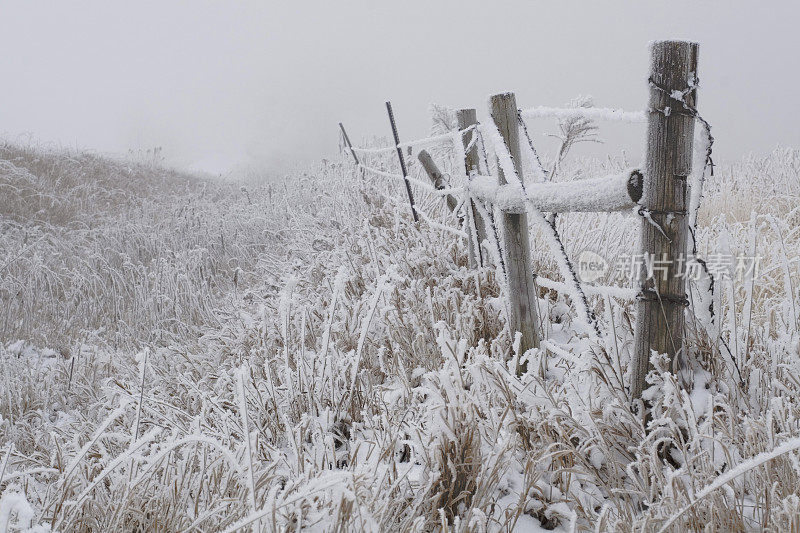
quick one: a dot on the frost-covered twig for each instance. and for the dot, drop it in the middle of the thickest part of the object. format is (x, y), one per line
(251, 486)
(576, 128)
(735, 472)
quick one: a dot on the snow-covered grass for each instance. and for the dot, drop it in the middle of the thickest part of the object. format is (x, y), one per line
(122, 253)
(185, 354)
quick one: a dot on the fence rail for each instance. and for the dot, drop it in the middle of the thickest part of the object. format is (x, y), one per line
(615, 192)
(658, 194)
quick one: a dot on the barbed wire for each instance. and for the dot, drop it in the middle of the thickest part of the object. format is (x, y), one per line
(570, 276)
(534, 153)
(708, 167)
(576, 290)
(708, 164)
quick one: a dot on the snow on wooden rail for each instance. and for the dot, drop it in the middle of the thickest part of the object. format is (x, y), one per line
(616, 192)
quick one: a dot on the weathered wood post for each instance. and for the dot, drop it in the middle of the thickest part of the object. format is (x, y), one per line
(436, 177)
(465, 119)
(670, 132)
(522, 291)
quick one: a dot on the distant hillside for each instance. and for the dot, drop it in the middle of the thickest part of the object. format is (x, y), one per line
(121, 252)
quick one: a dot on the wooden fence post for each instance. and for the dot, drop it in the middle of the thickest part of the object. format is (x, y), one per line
(522, 291)
(436, 177)
(465, 119)
(670, 133)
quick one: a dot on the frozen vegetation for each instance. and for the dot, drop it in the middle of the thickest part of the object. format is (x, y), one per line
(179, 353)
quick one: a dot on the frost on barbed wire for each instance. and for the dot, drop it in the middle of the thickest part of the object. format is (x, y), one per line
(620, 293)
(399, 177)
(697, 176)
(589, 112)
(531, 159)
(586, 319)
(705, 307)
(516, 189)
(497, 146)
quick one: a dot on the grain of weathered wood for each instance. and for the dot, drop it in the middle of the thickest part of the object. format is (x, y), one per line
(522, 292)
(660, 312)
(466, 118)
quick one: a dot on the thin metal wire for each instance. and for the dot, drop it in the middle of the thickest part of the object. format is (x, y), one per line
(530, 145)
(708, 164)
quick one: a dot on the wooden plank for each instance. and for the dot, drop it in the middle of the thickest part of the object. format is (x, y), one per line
(660, 321)
(466, 118)
(522, 291)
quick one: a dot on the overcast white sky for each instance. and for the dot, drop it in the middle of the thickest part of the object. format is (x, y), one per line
(268, 81)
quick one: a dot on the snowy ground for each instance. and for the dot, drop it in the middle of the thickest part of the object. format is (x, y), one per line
(185, 354)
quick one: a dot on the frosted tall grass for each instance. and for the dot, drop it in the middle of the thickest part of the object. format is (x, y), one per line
(380, 391)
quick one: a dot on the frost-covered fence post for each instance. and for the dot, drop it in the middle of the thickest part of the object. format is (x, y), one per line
(670, 132)
(350, 149)
(349, 145)
(522, 291)
(465, 119)
(436, 177)
(402, 161)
